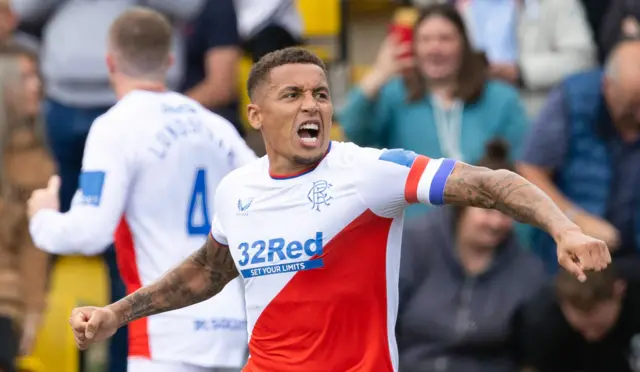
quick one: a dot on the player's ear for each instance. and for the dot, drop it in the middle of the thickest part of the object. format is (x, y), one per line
(111, 65)
(254, 115)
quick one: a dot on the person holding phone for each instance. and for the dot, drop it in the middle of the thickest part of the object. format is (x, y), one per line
(428, 92)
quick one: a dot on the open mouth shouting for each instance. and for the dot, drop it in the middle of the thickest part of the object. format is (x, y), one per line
(309, 132)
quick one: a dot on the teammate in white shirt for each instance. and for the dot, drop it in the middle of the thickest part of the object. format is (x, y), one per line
(150, 169)
(314, 229)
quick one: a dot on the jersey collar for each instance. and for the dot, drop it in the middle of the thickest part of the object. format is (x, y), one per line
(302, 172)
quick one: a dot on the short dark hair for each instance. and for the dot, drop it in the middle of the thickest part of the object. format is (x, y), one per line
(598, 288)
(293, 55)
(142, 39)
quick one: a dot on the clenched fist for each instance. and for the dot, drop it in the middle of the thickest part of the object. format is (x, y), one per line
(578, 252)
(92, 324)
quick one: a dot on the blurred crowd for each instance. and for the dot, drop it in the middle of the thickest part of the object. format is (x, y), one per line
(547, 88)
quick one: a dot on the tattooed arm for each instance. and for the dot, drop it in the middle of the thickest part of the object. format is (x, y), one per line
(507, 192)
(513, 195)
(200, 277)
(409, 178)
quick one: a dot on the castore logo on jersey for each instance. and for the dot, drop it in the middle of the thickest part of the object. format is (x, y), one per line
(318, 194)
(278, 249)
(242, 207)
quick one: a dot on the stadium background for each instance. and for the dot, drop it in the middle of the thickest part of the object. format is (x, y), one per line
(347, 35)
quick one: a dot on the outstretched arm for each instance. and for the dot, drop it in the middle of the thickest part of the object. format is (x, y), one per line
(97, 208)
(507, 192)
(409, 178)
(198, 278)
(513, 195)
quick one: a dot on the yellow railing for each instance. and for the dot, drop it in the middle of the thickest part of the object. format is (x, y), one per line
(75, 281)
(30, 364)
(321, 18)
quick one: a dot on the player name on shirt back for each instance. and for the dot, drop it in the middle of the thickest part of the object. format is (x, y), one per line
(177, 126)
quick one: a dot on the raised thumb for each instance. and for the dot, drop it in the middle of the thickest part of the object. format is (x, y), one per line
(54, 184)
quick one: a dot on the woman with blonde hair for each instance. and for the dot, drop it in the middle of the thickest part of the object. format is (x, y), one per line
(26, 165)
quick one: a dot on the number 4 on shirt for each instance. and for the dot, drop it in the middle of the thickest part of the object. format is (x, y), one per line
(198, 222)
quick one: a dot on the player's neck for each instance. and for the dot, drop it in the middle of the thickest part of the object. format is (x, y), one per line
(283, 167)
(124, 87)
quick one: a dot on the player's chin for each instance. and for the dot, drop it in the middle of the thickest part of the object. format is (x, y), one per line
(309, 152)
